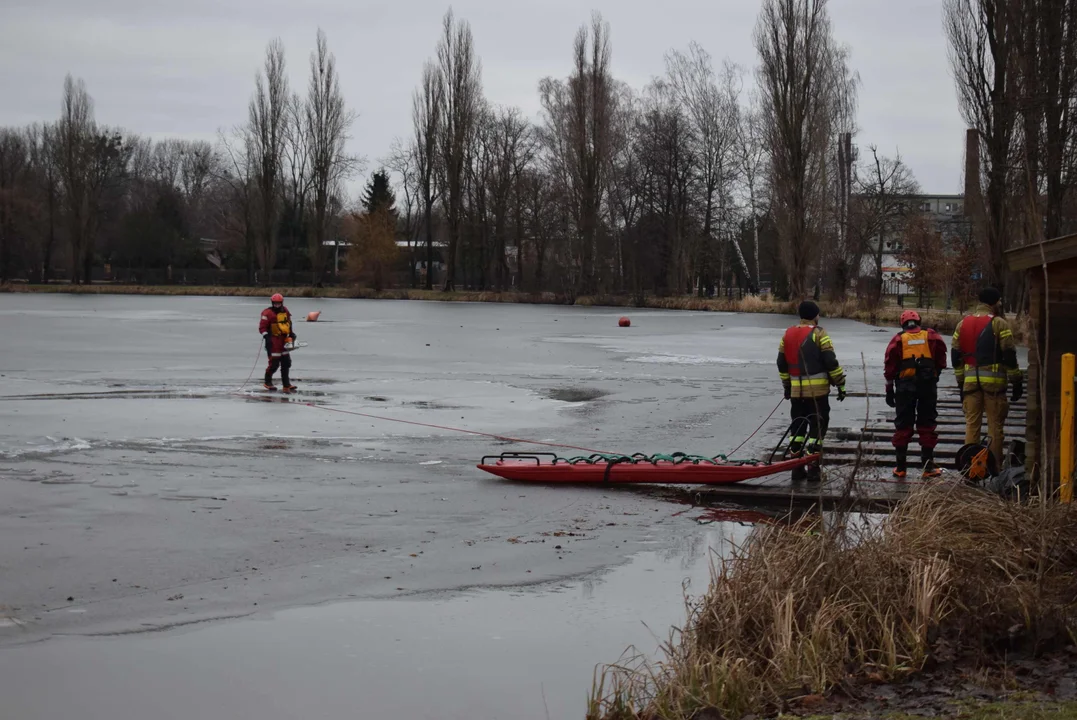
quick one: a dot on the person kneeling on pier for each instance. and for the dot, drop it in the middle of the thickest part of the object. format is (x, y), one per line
(915, 358)
(808, 366)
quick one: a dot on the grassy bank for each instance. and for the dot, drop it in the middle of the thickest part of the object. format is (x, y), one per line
(1003, 710)
(954, 581)
(944, 322)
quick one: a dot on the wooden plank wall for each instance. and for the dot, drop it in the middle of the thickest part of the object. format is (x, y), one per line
(1058, 317)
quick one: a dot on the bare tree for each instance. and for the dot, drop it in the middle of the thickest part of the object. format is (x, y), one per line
(461, 77)
(1044, 70)
(74, 132)
(1058, 65)
(296, 182)
(14, 200)
(983, 36)
(751, 158)
(90, 160)
(884, 206)
(513, 148)
(669, 163)
(805, 91)
(427, 108)
(328, 124)
(625, 182)
(579, 116)
(267, 128)
(44, 161)
(237, 173)
(922, 252)
(198, 165)
(539, 215)
(402, 163)
(712, 109)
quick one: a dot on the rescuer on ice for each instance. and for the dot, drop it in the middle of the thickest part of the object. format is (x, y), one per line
(915, 358)
(984, 357)
(808, 366)
(276, 329)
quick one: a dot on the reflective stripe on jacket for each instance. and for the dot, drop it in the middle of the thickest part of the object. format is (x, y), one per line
(984, 354)
(807, 363)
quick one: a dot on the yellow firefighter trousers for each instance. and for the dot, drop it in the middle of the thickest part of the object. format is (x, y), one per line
(997, 406)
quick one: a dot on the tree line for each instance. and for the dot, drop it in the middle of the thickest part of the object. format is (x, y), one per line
(709, 177)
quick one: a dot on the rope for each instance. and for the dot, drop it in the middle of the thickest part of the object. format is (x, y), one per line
(759, 428)
(602, 456)
(254, 367)
(506, 438)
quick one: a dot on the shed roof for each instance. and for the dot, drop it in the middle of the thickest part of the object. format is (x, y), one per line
(1030, 256)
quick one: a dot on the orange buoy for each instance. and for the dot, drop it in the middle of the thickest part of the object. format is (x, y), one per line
(313, 316)
(624, 322)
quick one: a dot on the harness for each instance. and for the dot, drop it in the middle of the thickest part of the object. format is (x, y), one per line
(916, 360)
(806, 371)
(980, 352)
(281, 326)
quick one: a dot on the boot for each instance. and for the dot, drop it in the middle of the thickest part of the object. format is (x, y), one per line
(286, 384)
(902, 468)
(799, 474)
(268, 384)
(927, 462)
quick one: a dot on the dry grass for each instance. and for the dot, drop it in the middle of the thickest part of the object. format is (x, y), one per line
(800, 610)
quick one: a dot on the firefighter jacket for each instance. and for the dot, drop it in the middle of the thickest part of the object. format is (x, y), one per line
(807, 364)
(915, 355)
(983, 353)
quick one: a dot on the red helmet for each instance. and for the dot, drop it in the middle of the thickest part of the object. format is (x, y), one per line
(277, 298)
(910, 315)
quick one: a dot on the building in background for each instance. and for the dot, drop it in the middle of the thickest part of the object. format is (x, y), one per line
(946, 214)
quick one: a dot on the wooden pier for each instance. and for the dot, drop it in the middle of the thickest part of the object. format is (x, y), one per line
(876, 490)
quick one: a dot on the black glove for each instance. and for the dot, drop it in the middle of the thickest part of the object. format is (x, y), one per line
(841, 394)
(890, 399)
(1018, 390)
(788, 390)
(961, 393)
(293, 336)
(267, 341)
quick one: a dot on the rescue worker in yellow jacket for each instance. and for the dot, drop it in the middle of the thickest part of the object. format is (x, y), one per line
(984, 357)
(808, 366)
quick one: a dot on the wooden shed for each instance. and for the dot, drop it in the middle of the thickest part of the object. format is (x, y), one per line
(1051, 270)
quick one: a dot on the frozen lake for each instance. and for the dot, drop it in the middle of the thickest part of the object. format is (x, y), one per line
(144, 487)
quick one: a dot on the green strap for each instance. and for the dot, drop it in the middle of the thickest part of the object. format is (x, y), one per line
(675, 458)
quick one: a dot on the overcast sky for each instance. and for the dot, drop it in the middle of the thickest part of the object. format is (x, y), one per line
(186, 67)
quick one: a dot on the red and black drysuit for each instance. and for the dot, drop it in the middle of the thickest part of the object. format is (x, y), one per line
(915, 358)
(276, 328)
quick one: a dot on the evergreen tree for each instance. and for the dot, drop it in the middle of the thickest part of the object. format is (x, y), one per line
(378, 194)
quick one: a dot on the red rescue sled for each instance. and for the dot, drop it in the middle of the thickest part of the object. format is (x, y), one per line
(601, 468)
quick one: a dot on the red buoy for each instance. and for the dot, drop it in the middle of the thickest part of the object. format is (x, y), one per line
(313, 316)
(624, 322)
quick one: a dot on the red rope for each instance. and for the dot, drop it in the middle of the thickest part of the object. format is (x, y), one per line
(505, 438)
(454, 429)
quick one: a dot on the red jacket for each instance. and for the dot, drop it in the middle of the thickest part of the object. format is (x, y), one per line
(278, 335)
(892, 364)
